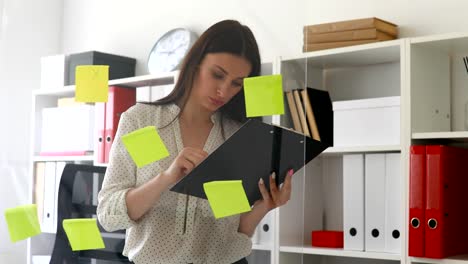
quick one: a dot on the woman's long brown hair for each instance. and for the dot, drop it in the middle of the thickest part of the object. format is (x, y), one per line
(227, 36)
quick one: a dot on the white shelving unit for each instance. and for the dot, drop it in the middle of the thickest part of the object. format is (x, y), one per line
(438, 98)
(361, 149)
(358, 72)
(42, 98)
(339, 253)
(429, 76)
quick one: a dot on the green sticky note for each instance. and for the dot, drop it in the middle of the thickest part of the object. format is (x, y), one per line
(226, 198)
(22, 222)
(264, 95)
(91, 83)
(145, 146)
(83, 234)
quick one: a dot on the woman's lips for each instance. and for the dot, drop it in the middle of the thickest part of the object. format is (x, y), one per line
(216, 102)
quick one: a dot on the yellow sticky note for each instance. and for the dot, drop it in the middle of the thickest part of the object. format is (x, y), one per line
(83, 234)
(226, 198)
(22, 222)
(264, 95)
(91, 83)
(145, 146)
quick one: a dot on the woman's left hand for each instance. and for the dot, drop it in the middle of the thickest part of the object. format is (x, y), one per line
(276, 197)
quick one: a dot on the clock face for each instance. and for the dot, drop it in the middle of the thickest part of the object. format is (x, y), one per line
(169, 50)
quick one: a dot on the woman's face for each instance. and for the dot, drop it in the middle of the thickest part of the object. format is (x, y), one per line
(219, 77)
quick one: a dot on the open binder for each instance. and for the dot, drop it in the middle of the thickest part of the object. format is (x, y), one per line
(251, 153)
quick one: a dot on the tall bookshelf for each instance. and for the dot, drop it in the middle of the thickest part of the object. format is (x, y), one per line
(149, 87)
(438, 98)
(358, 72)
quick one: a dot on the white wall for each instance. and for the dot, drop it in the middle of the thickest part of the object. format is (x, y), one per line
(131, 28)
(29, 29)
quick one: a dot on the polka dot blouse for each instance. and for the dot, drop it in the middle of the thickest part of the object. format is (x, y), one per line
(179, 228)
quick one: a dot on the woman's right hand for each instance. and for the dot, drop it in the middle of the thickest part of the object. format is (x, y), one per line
(184, 163)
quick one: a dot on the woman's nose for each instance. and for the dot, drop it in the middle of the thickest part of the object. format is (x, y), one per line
(222, 89)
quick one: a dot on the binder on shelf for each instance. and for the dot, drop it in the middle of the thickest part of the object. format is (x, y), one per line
(59, 166)
(417, 201)
(310, 116)
(100, 118)
(293, 111)
(39, 178)
(300, 110)
(374, 202)
(353, 201)
(120, 99)
(258, 149)
(446, 201)
(265, 231)
(321, 106)
(49, 195)
(393, 225)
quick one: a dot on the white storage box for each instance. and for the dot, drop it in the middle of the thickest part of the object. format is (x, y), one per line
(366, 122)
(54, 71)
(67, 130)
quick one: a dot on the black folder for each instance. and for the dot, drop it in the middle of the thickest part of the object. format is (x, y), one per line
(251, 153)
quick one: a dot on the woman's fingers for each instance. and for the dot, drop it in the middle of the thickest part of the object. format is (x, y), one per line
(195, 156)
(286, 188)
(186, 166)
(264, 191)
(273, 188)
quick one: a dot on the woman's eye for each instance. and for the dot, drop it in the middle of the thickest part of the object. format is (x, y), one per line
(236, 84)
(217, 75)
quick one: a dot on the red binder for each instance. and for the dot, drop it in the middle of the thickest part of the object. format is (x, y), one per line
(119, 100)
(100, 128)
(417, 201)
(446, 201)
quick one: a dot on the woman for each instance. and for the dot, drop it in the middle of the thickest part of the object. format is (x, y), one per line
(205, 107)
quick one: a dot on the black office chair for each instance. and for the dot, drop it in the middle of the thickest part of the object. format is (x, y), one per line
(77, 198)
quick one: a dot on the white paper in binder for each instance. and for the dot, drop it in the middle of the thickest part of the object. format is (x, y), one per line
(393, 223)
(375, 202)
(49, 201)
(353, 202)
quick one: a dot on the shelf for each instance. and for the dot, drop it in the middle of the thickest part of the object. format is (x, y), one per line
(63, 158)
(65, 91)
(452, 43)
(358, 55)
(131, 82)
(462, 259)
(458, 136)
(333, 151)
(146, 80)
(339, 253)
(261, 247)
(113, 235)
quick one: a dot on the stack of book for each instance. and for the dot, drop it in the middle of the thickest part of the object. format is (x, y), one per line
(348, 33)
(312, 113)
